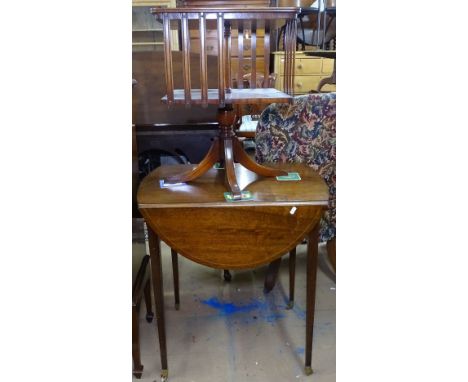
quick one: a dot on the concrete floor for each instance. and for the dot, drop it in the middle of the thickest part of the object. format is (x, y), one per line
(233, 332)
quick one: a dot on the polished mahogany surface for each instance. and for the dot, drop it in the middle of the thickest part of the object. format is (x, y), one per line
(196, 221)
(208, 190)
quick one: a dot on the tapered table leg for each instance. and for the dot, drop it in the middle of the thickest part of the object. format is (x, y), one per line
(156, 273)
(272, 274)
(147, 295)
(137, 366)
(175, 273)
(292, 276)
(227, 275)
(312, 260)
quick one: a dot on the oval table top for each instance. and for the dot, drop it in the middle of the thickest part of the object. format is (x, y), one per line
(195, 220)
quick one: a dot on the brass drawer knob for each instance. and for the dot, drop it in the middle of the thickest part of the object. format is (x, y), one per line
(246, 67)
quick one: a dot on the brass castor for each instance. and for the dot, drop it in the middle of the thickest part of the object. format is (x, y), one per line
(308, 370)
(177, 306)
(290, 305)
(164, 375)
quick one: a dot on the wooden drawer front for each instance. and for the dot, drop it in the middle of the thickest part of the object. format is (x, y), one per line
(327, 66)
(212, 47)
(303, 66)
(246, 66)
(302, 84)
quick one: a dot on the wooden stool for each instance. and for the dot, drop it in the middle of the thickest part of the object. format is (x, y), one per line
(233, 235)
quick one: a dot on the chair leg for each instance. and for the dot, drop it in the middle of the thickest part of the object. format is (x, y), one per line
(156, 273)
(175, 273)
(292, 276)
(137, 366)
(272, 275)
(312, 261)
(147, 294)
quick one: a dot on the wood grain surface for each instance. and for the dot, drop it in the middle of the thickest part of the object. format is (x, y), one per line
(196, 221)
(208, 190)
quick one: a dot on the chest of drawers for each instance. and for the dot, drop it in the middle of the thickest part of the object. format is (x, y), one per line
(308, 72)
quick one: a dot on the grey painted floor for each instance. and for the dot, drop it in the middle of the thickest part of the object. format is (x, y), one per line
(234, 332)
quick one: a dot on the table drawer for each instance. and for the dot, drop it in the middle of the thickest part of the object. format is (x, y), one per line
(303, 66)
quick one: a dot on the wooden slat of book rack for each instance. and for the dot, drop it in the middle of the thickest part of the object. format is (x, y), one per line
(241, 20)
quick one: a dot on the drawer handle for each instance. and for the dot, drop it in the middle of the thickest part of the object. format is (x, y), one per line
(299, 84)
(246, 47)
(210, 48)
(246, 67)
(299, 66)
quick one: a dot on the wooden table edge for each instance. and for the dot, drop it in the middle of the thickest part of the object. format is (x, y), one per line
(320, 203)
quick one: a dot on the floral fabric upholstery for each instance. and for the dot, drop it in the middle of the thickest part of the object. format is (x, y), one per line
(303, 132)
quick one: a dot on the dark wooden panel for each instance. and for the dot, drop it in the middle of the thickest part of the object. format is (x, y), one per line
(148, 71)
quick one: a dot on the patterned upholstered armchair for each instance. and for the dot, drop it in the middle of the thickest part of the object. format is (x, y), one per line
(304, 131)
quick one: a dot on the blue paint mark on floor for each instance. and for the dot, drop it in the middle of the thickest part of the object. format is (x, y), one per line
(259, 310)
(300, 350)
(301, 313)
(227, 308)
(271, 318)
